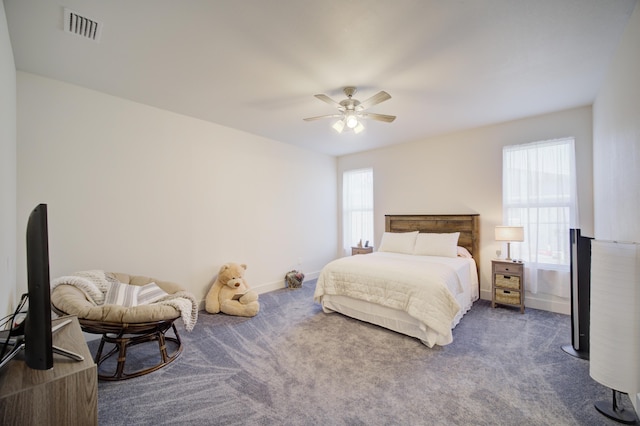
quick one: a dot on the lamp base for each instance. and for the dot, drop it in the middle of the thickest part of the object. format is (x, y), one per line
(614, 412)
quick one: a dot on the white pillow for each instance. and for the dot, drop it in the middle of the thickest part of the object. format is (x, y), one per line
(463, 252)
(445, 245)
(398, 242)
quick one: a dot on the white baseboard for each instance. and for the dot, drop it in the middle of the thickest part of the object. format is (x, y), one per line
(557, 305)
(272, 286)
(277, 285)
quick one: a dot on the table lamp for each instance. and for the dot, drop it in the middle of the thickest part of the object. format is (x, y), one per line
(509, 234)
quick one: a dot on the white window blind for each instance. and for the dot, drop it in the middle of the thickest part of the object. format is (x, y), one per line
(357, 207)
(539, 193)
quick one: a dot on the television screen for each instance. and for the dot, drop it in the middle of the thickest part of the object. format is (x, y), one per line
(37, 330)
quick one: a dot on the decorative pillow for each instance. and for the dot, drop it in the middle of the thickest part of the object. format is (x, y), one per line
(398, 242)
(444, 245)
(463, 252)
(150, 293)
(133, 295)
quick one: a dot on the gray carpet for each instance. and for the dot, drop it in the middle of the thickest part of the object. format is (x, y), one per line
(295, 365)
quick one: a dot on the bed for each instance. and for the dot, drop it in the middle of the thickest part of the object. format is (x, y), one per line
(420, 282)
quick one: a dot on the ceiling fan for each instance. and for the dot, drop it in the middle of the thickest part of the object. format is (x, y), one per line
(352, 110)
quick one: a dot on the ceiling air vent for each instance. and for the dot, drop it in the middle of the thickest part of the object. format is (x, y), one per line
(81, 26)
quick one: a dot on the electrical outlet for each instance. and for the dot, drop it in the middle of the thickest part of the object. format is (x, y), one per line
(299, 261)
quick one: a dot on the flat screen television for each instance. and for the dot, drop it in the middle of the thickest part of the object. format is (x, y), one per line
(35, 334)
(37, 325)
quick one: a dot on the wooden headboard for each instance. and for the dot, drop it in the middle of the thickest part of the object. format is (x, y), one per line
(467, 224)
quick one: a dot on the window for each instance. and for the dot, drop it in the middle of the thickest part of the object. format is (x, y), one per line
(357, 207)
(539, 193)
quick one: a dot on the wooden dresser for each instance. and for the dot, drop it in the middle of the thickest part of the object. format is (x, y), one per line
(66, 395)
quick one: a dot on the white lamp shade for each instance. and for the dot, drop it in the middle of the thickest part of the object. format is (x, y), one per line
(509, 233)
(615, 316)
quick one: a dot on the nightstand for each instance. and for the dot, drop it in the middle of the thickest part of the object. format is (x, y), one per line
(361, 250)
(507, 283)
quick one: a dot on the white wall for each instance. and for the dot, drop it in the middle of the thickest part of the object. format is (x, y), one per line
(462, 173)
(616, 147)
(8, 291)
(140, 190)
(616, 167)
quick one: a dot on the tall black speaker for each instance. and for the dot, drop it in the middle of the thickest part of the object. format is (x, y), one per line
(580, 294)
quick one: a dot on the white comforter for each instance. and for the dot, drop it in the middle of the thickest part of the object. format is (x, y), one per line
(422, 286)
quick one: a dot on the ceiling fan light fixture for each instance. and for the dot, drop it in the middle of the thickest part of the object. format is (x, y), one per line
(351, 111)
(352, 121)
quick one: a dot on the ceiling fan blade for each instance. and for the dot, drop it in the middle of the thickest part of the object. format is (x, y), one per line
(380, 117)
(325, 98)
(322, 116)
(374, 100)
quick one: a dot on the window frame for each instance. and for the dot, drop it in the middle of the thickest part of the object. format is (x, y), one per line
(565, 200)
(365, 206)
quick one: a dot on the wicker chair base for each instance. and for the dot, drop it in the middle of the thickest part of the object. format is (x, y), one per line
(122, 336)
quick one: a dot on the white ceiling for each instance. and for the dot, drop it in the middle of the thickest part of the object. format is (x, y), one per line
(255, 65)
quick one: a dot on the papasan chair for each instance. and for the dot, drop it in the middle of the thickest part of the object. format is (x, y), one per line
(126, 310)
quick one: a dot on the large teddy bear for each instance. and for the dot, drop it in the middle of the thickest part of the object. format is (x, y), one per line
(230, 293)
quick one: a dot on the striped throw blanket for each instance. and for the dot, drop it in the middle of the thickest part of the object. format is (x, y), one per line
(102, 288)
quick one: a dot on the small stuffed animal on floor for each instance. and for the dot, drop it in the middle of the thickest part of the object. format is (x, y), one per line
(230, 293)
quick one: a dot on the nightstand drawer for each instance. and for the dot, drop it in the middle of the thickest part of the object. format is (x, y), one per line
(508, 281)
(361, 250)
(508, 268)
(507, 296)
